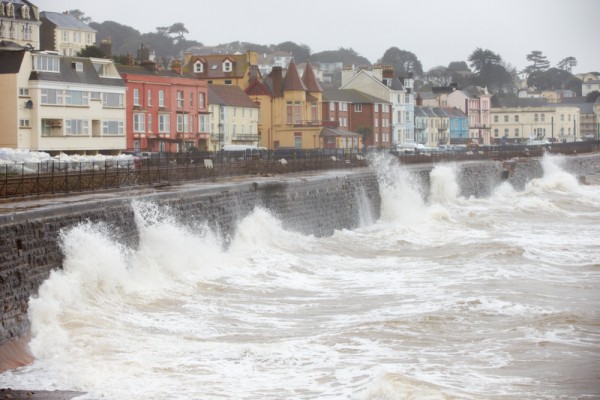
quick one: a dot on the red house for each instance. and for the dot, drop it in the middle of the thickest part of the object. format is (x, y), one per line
(355, 111)
(166, 111)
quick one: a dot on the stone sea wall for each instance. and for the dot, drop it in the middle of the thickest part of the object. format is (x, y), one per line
(310, 204)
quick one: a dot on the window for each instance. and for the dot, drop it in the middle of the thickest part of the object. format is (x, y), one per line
(65, 36)
(290, 112)
(24, 123)
(112, 100)
(376, 107)
(23, 92)
(198, 67)
(52, 96)
(139, 122)
(562, 117)
(516, 132)
(297, 112)
(149, 122)
(535, 117)
(161, 98)
(191, 99)
(496, 134)
(495, 118)
(76, 98)
(47, 63)
(76, 127)
(164, 123)
(26, 32)
(228, 81)
(202, 123)
(298, 140)
(332, 106)
(358, 108)
(136, 145)
(543, 117)
(506, 118)
(149, 101)
(179, 99)
(136, 97)
(112, 128)
(314, 111)
(505, 132)
(78, 65)
(227, 66)
(516, 118)
(201, 104)
(407, 98)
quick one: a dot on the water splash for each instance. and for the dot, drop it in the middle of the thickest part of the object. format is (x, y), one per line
(444, 188)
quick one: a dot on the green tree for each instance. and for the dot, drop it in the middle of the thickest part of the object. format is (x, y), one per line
(91, 51)
(300, 52)
(592, 97)
(178, 29)
(439, 76)
(404, 62)
(551, 79)
(345, 56)
(540, 62)
(495, 77)
(481, 57)
(80, 15)
(567, 64)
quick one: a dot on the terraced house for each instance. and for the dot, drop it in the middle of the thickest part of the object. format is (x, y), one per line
(290, 108)
(57, 104)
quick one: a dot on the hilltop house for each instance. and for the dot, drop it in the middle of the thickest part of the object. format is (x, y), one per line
(20, 23)
(65, 34)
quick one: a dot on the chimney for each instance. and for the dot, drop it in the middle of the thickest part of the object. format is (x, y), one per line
(388, 72)
(254, 73)
(347, 74)
(143, 54)
(106, 47)
(277, 76)
(149, 65)
(419, 100)
(378, 72)
(130, 60)
(177, 67)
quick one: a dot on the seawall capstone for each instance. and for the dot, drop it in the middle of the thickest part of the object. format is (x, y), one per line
(316, 204)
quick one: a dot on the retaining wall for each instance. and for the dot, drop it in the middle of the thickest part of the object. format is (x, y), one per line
(311, 204)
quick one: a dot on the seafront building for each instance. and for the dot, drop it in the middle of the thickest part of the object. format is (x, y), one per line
(20, 23)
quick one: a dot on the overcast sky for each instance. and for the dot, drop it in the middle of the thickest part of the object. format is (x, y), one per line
(436, 31)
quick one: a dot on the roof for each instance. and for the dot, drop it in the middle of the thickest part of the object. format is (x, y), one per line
(68, 74)
(10, 61)
(66, 21)
(229, 95)
(475, 91)
(213, 66)
(310, 80)
(518, 102)
(19, 4)
(337, 132)
(141, 70)
(351, 96)
(291, 80)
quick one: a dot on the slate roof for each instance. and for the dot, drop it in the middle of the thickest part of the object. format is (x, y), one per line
(396, 84)
(229, 95)
(18, 4)
(213, 66)
(10, 61)
(66, 21)
(141, 70)
(475, 91)
(351, 96)
(291, 80)
(337, 132)
(310, 80)
(68, 74)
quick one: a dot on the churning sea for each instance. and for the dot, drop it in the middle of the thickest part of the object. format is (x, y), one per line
(443, 297)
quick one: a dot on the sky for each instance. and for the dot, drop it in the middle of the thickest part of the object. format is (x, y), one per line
(436, 31)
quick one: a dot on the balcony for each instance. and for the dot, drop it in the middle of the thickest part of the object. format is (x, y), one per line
(246, 137)
(306, 123)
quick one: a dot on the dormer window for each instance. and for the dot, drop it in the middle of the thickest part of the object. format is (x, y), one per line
(198, 67)
(25, 12)
(2, 10)
(46, 63)
(78, 66)
(10, 10)
(227, 66)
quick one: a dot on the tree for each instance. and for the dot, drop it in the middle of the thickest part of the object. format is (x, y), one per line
(439, 76)
(80, 15)
(480, 57)
(341, 55)
(592, 97)
(567, 64)
(551, 79)
(300, 52)
(91, 51)
(162, 30)
(458, 66)
(540, 62)
(404, 62)
(178, 28)
(494, 77)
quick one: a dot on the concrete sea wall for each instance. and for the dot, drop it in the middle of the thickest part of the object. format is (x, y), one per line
(311, 204)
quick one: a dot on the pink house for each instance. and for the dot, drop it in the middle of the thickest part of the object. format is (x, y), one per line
(475, 102)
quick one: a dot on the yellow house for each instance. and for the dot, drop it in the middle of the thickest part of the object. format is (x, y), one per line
(65, 34)
(223, 69)
(291, 115)
(534, 120)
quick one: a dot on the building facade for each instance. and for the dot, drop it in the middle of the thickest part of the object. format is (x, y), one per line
(223, 69)
(233, 117)
(475, 102)
(20, 23)
(65, 34)
(290, 105)
(165, 110)
(61, 104)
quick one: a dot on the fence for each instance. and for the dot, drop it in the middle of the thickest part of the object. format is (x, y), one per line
(19, 180)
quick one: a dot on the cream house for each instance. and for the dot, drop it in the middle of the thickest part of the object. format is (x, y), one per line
(61, 104)
(65, 34)
(20, 23)
(233, 117)
(519, 120)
